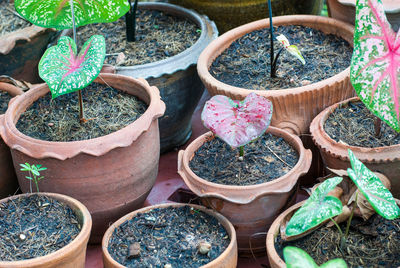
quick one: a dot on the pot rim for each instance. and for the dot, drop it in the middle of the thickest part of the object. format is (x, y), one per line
(83, 235)
(124, 137)
(221, 219)
(216, 47)
(328, 145)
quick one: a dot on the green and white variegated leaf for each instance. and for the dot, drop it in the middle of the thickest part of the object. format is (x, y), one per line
(292, 49)
(336, 263)
(373, 189)
(375, 65)
(298, 258)
(64, 71)
(318, 208)
(57, 13)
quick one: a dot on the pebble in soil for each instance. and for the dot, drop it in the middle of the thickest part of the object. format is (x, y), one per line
(246, 63)
(371, 243)
(265, 159)
(158, 36)
(353, 124)
(107, 110)
(35, 226)
(4, 99)
(10, 20)
(168, 236)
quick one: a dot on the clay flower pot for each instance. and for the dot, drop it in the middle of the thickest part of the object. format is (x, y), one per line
(73, 254)
(294, 108)
(251, 209)
(112, 174)
(8, 179)
(227, 259)
(385, 160)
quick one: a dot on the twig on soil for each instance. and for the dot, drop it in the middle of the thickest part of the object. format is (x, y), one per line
(278, 157)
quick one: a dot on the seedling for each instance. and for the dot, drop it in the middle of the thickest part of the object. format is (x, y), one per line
(237, 122)
(34, 173)
(375, 65)
(298, 258)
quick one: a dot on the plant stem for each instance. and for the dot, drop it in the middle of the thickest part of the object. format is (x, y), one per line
(271, 32)
(37, 185)
(351, 217)
(377, 125)
(241, 151)
(130, 21)
(273, 66)
(342, 238)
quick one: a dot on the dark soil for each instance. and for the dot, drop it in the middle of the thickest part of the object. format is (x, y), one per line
(372, 243)
(106, 109)
(265, 159)
(4, 99)
(35, 226)
(246, 63)
(168, 236)
(353, 124)
(158, 36)
(10, 20)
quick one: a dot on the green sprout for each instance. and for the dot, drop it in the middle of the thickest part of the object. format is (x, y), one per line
(298, 258)
(34, 173)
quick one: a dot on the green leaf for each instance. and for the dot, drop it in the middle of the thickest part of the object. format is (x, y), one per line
(29, 178)
(25, 167)
(57, 13)
(336, 263)
(297, 258)
(373, 189)
(65, 72)
(292, 49)
(318, 208)
(35, 172)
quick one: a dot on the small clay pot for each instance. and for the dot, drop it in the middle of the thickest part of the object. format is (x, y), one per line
(112, 175)
(227, 259)
(294, 108)
(8, 179)
(385, 160)
(72, 255)
(251, 209)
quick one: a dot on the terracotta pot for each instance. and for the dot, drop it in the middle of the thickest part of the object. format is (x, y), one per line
(176, 78)
(251, 209)
(345, 10)
(294, 108)
(8, 179)
(228, 259)
(72, 255)
(233, 13)
(112, 174)
(385, 160)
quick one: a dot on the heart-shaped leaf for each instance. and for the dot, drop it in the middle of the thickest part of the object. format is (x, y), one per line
(318, 208)
(57, 13)
(373, 189)
(237, 122)
(65, 72)
(298, 258)
(375, 65)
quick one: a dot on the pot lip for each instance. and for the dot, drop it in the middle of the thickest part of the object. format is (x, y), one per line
(220, 44)
(332, 147)
(221, 219)
(97, 146)
(293, 140)
(80, 239)
(389, 5)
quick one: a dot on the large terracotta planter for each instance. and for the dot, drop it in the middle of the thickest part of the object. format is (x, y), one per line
(8, 179)
(385, 160)
(294, 108)
(176, 78)
(233, 13)
(251, 209)
(345, 10)
(72, 255)
(228, 259)
(112, 175)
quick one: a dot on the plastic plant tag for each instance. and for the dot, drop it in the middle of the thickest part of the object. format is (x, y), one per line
(64, 71)
(318, 208)
(375, 64)
(298, 258)
(292, 49)
(57, 13)
(237, 122)
(373, 189)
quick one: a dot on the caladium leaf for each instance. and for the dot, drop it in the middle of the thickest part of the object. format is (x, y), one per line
(375, 64)
(336, 263)
(64, 71)
(292, 49)
(237, 122)
(297, 258)
(373, 189)
(57, 13)
(318, 208)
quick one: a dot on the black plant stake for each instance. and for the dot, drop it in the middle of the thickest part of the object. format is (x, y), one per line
(130, 21)
(271, 53)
